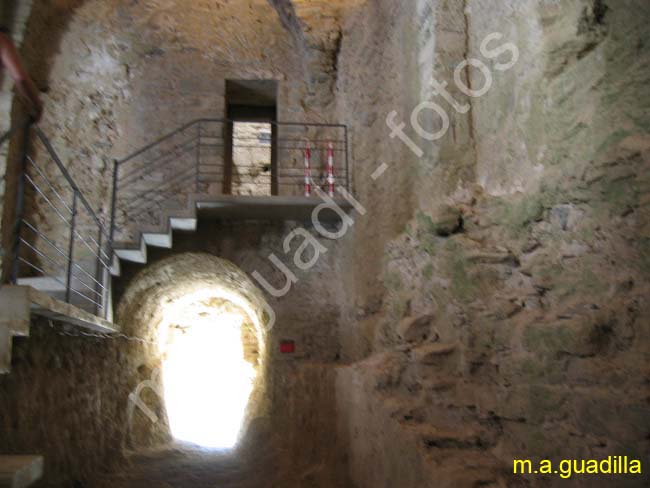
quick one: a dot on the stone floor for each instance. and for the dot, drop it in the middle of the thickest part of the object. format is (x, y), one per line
(256, 466)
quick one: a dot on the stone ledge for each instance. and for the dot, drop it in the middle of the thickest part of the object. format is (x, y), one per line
(15, 300)
(19, 303)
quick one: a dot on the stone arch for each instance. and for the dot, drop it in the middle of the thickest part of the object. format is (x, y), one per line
(143, 311)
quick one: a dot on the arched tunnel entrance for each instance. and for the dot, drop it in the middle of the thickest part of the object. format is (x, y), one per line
(207, 322)
(210, 359)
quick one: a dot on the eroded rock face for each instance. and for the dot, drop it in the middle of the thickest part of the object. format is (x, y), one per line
(542, 290)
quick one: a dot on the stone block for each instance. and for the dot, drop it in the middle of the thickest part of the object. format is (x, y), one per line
(431, 354)
(415, 329)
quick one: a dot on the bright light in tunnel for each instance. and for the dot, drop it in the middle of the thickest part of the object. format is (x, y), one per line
(207, 381)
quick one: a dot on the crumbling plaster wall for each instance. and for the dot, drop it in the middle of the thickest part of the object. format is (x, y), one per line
(514, 304)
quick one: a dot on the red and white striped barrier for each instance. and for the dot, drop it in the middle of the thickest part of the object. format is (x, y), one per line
(307, 171)
(330, 169)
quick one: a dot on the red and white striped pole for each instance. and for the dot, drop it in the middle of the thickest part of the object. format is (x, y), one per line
(307, 171)
(330, 169)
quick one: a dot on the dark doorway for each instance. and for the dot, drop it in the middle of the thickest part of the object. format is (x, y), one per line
(251, 153)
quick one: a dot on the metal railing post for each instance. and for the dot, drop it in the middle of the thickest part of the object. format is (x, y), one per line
(348, 183)
(198, 155)
(111, 235)
(99, 271)
(20, 202)
(73, 223)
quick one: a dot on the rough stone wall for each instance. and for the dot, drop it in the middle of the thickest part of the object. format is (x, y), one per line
(78, 126)
(66, 399)
(14, 16)
(87, 431)
(386, 73)
(252, 160)
(513, 309)
(374, 67)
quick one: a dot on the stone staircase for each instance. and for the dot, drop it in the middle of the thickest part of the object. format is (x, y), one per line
(215, 207)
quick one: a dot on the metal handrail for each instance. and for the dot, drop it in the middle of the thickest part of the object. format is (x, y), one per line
(78, 280)
(66, 175)
(176, 151)
(201, 140)
(103, 255)
(223, 121)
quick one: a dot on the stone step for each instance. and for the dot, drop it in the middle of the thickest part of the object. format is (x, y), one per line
(47, 284)
(136, 254)
(160, 236)
(19, 303)
(433, 353)
(20, 471)
(6, 344)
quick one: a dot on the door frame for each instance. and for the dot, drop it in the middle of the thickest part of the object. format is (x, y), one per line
(245, 113)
